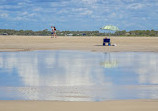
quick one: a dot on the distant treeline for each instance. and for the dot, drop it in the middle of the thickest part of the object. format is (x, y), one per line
(46, 32)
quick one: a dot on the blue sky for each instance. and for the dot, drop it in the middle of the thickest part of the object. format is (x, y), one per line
(78, 14)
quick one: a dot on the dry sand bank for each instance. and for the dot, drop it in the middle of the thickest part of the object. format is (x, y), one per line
(26, 43)
(122, 105)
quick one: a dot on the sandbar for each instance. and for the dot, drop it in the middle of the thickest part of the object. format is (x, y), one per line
(124, 44)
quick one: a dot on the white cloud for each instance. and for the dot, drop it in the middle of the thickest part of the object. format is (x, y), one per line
(90, 1)
(115, 11)
(135, 6)
(37, 9)
(87, 12)
(60, 4)
(4, 15)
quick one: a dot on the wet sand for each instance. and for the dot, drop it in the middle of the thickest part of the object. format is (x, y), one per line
(121, 105)
(27, 43)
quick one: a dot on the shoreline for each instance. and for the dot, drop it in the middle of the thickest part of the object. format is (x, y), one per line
(6, 50)
(93, 44)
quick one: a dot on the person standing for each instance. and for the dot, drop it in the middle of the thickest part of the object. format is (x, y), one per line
(52, 33)
(55, 32)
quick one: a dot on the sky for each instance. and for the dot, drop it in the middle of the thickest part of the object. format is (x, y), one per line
(78, 15)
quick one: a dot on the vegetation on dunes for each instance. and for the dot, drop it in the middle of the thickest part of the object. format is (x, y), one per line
(46, 32)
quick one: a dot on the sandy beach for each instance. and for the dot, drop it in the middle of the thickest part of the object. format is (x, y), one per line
(121, 105)
(27, 43)
(124, 44)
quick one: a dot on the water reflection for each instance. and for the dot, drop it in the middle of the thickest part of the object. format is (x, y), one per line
(109, 62)
(77, 76)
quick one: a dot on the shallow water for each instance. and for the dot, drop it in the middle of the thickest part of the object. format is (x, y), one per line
(78, 76)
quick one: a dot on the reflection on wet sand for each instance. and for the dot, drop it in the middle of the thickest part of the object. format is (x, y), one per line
(77, 76)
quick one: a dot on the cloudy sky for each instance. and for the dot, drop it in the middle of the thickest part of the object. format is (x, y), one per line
(78, 14)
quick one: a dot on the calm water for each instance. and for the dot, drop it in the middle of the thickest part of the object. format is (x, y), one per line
(78, 76)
